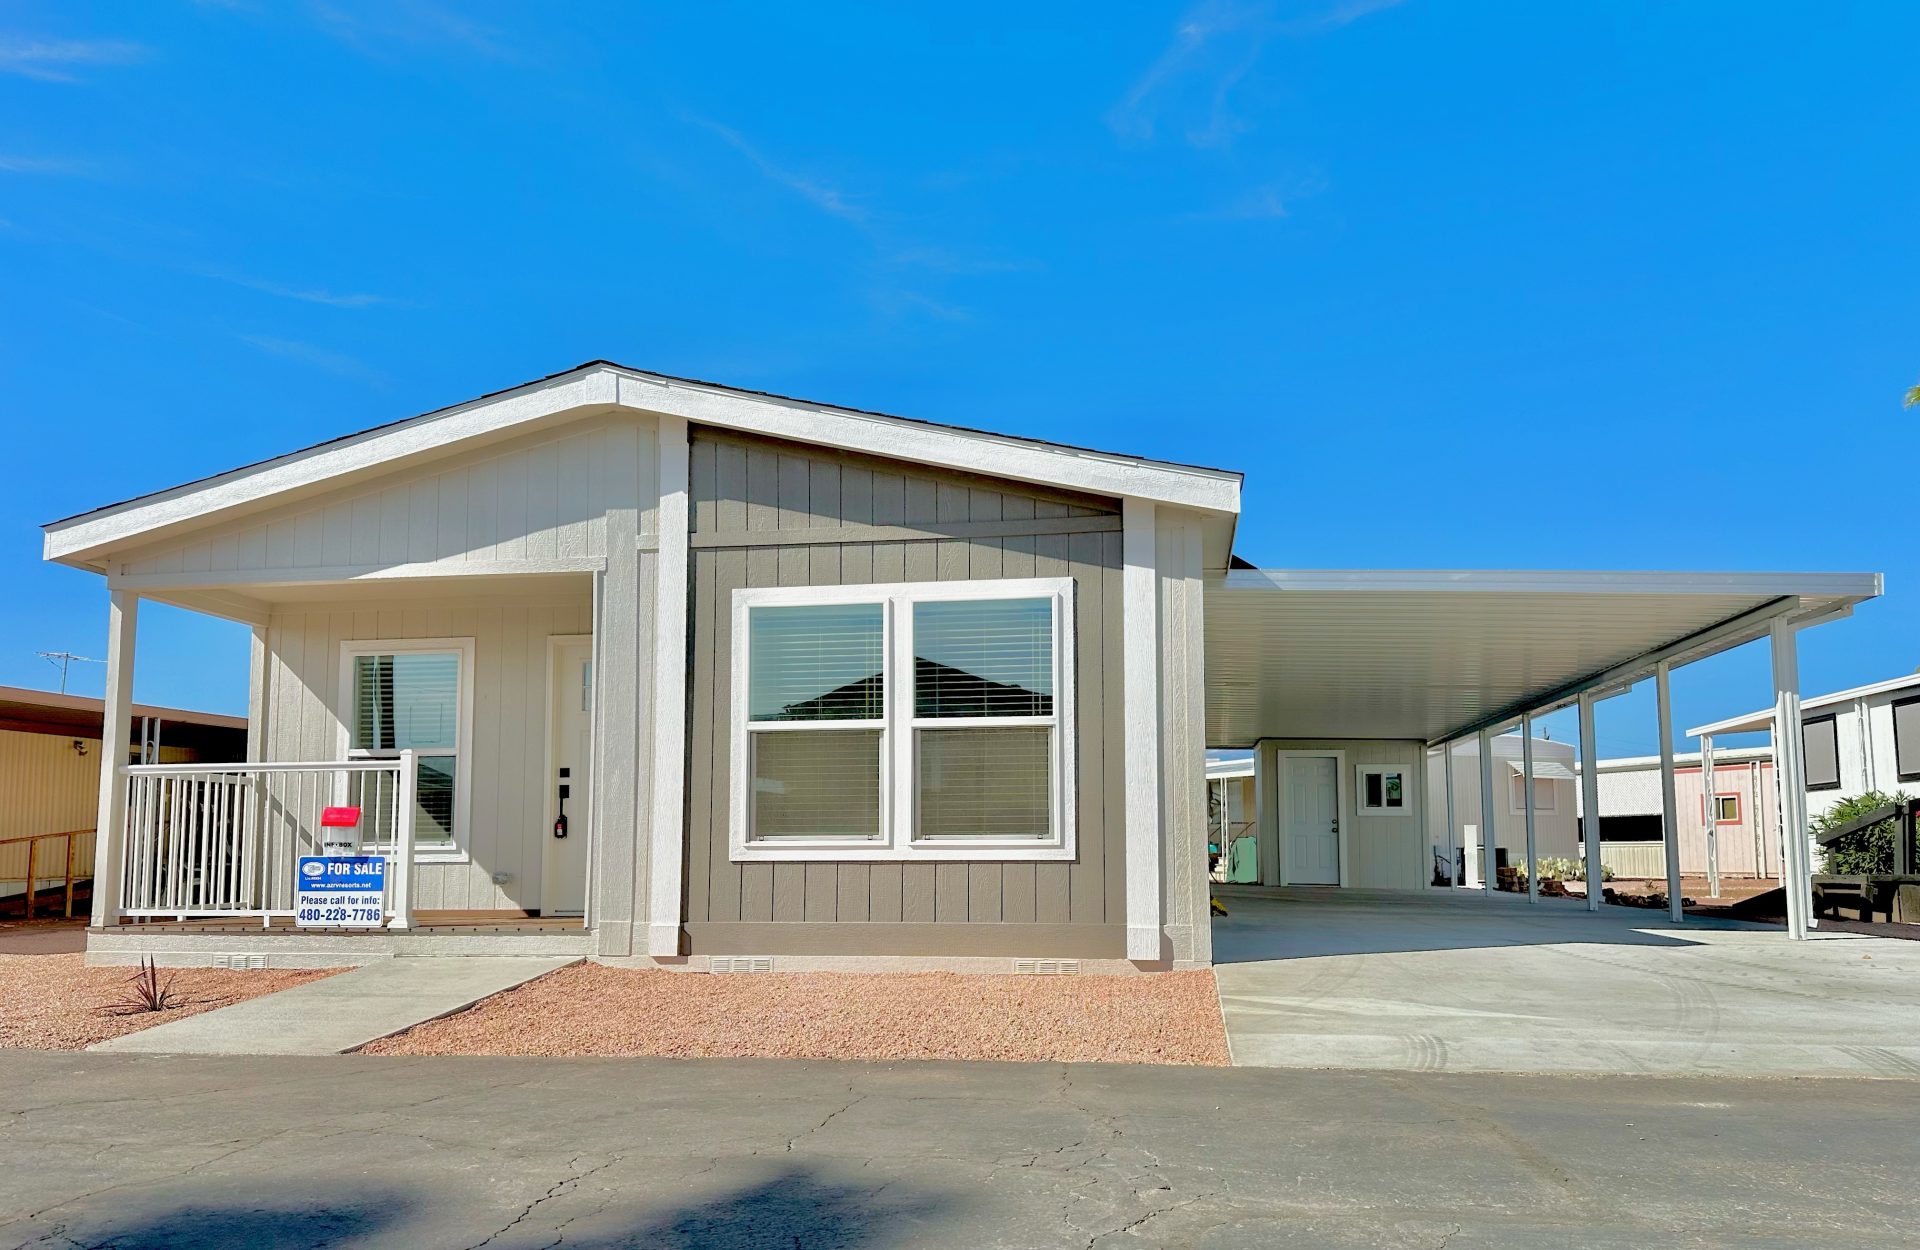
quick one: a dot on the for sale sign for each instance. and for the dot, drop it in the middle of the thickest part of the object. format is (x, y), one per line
(339, 891)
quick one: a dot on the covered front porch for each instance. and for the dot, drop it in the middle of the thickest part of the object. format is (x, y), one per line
(451, 717)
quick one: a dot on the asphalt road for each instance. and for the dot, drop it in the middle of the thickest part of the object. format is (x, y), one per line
(157, 1153)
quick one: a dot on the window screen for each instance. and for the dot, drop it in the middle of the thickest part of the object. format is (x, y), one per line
(408, 700)
(1906, 739)
(820, 662)
(985, 783)
(979, 658)
(1821, 743)
(816, 783)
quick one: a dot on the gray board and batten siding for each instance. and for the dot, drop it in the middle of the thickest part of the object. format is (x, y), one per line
(766, 514)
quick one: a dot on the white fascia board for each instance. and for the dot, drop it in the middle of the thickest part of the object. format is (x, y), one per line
(1853, 586)
(1753, 722)
(993, 455)
(604, 388)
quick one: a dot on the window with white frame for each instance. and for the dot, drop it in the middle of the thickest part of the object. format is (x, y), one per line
(414, 695)
(1382, 788)
(1546, 797)
(1726, 809)
(924, 720)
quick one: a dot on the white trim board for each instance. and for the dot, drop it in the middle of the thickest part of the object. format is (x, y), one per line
(602, 387)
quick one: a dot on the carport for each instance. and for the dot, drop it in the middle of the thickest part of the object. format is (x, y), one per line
(1380, 672)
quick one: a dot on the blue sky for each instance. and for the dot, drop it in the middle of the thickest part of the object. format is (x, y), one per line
(1494, 285)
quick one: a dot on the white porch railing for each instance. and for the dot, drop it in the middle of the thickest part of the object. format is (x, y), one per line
(221, 840)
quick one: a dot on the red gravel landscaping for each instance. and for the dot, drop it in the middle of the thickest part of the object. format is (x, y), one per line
(587, 1009)
(56, 1002)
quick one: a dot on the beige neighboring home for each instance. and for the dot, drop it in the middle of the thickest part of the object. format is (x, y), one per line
(1457, 847)
(50, 779)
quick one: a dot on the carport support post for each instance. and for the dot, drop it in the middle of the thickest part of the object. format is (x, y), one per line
(1789, 774)
(1590, 804)
(1487, 860)
(1453, 827)
(1526, 802)
(1710, 812)
(1669, 805)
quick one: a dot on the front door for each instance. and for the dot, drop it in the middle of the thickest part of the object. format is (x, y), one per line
(563, 870)
(1310, 785)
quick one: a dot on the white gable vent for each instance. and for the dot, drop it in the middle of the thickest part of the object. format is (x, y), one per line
(249, 962)
(1047, 967)
(740, 963)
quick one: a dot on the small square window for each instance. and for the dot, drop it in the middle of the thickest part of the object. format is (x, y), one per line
(1383, 788)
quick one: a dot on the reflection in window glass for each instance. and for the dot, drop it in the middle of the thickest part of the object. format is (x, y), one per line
(978, 658)
(819, 662)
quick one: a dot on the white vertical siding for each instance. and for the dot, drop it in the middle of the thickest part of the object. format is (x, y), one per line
(540, 498)
(506, 764)
(1385, 851)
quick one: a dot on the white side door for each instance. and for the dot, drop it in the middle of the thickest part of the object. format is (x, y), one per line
(563, 869)
(1310, 785)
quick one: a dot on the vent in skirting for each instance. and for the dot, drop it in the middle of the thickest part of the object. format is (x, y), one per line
(1047, 967)
(249, 962)
(740, 963)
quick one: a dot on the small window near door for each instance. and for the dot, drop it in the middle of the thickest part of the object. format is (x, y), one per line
(1383, 788)
(412, 695)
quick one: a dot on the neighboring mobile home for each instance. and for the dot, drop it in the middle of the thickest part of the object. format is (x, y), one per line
(661, 671)
(50, 753)
(1456, 846)
(1746, 830)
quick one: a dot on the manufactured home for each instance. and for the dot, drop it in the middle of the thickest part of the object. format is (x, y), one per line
(666, 672)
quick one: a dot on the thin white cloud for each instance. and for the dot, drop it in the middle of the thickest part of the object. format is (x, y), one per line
(827, 199)
(55, 60)
(1268, 202)
(946, 260)
(896, 302)
(1220, 40)
(337, 363)
(332, 299)
(375, 28)
(50, 166)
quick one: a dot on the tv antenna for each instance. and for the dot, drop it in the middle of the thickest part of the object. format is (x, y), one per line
(62, 659)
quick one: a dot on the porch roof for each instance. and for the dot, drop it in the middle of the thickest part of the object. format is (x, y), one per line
(1437, 655)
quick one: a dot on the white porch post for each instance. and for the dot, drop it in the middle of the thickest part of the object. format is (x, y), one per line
(1140, 676)
(116, 728)
(1488, 859)
(1669, 806)
(666, 822)
(1590, 803)
(1789, 774)
(1265, 815)
(1526, 802)
(1710, 812)
(1453, 824)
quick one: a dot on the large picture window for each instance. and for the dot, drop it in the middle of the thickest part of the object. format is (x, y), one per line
(929, 720)
(413, 695)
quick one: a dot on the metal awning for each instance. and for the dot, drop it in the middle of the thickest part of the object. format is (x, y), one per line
(1435, 655)
(1544, 770)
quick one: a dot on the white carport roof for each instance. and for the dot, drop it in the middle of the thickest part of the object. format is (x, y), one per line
(1435, 655)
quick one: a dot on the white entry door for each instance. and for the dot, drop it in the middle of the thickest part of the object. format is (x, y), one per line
(1310, 785)
(563, 869)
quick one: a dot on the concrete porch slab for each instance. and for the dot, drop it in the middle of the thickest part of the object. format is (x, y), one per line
(340, 1013)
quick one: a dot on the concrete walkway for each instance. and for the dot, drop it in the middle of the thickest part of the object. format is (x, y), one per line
(1453, 982)
(341, 1012)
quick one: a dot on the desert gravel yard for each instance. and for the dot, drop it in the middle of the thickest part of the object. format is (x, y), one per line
(587, 1009)
(56, 1002)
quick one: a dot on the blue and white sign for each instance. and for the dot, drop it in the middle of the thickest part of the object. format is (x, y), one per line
(339, 891)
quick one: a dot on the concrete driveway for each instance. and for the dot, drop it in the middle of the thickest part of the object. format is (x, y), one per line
(1457, 982)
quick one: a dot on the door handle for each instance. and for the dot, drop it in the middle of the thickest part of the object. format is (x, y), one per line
(560, 821)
